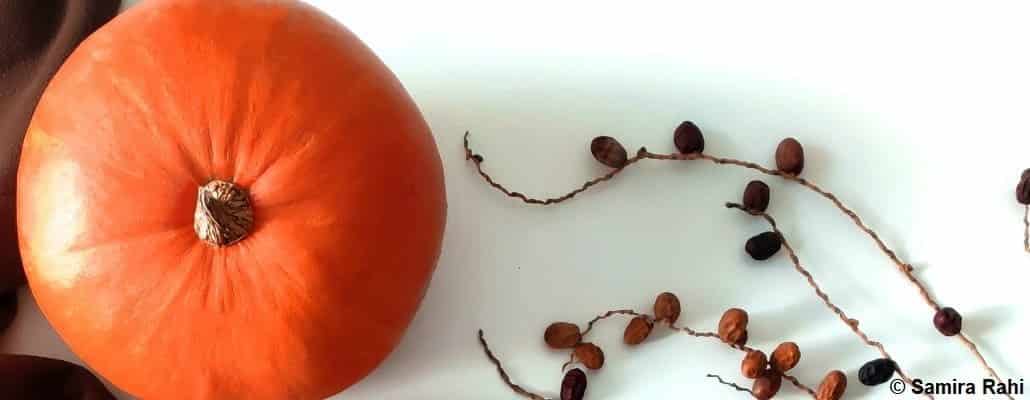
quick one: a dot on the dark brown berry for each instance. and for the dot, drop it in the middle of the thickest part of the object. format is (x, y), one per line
(833, 386)
(790, 157)
(733, 326)
(754, 364)
(562, 335)
(608, 151)
(667, 307)
(763, 246)
(1023, 189)
(877, 372)
(8, 308)
(637, 331)
(756, 196)
(688, 138)
(574, 385)
(478, 159)
(785, 357)
(32, 377)
(767, 385)
(948, 321)
(590, 355)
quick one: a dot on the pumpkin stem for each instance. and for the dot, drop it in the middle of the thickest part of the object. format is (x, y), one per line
(224, 214)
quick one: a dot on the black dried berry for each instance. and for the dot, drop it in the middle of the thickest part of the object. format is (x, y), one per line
(877, 371)
(608, 151)
(948, 321)
(574, 385)
(1023, 189)
(763, 246)
(688, 138)
(756, 196)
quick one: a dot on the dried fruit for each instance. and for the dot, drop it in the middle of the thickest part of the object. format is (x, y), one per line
(637, 331)
(763, 245)
(574, 385)
(688, 138)
(785, 357)
(608, 151)
(877, 371)
(948, 321)
(767, 385)
(590, 355)
(733, 326)
(756, 196)
(667, 307)
(790, 157)
(754, 364)
(1023, 189)
(741, 339)
(562, 335)
(833, 386)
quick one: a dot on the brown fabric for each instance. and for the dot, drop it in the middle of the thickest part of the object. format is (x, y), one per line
(31, 377)
(8, 307)
(35, 38)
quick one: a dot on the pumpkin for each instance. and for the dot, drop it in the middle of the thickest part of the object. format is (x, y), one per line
(35, 37)
(229, 199)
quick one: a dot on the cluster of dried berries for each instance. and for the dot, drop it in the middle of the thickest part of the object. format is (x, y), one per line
(790, 162)
(768, 373)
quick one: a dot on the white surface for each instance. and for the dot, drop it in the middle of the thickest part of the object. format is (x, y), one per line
(914, 115)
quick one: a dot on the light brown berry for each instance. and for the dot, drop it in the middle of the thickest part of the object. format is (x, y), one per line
(790, 157)
(767, 385)
(785, 357)
(667, 307)
(833, 386)
(733, 326)
(590, 355)
(562, 335)
(754, 364)
(637, 331)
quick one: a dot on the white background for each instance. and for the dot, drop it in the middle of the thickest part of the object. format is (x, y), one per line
(914, 114)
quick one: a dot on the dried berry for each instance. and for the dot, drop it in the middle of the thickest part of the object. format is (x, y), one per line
(833, 386)
(590, 355)
(688, 138)
(8, 308)
(767, 385)
(741, 339)
(948, 321)
(574, 385)
(754, 364)
(785, 357)
(608, 151)
(763, 246)
(877, 371)
(637, 331)
(562, 335)
(733, 326)
(667, 307)
(1023, 189)
(790, 157)
(756, 196)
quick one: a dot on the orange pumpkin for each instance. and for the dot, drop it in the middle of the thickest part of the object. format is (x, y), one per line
(229, 199)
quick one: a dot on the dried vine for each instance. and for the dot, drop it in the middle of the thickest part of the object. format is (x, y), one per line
(790, 161)
(732, 332)
(850, 322)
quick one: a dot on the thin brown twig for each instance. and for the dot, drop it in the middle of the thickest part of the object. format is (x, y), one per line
(905, 268)
(731, 384)
(972, 347)
(590, 325)
(1026, 228)
(687, 330)
(504, 375)
(850, 322)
